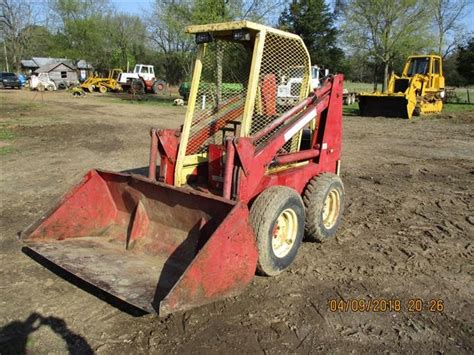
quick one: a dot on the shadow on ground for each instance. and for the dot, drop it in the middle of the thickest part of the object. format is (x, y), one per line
(14, 335)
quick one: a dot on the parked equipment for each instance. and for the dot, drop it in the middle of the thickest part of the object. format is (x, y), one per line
(237, 187)
(42, 82)
(142, 80)
(420, 90)
(291, 81)
(101, 84)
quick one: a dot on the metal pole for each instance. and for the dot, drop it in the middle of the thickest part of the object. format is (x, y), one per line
(153, 155)
(6, 58)
(229, 167)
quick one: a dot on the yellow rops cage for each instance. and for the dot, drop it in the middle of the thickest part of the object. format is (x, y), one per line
(235, 86)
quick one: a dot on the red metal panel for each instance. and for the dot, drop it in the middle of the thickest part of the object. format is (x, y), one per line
(80, 221)
(222, 268)
(168, 142)
(269, 91)
(215, 166)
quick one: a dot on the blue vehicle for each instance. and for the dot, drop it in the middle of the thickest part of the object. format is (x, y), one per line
(22, 79)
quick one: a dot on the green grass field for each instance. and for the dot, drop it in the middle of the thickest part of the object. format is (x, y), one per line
(353, 110)
(463, 94)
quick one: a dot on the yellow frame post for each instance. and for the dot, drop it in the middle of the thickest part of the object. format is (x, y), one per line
(189, 116)
(253, 82)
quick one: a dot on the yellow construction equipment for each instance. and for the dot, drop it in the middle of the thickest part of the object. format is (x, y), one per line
(419, 90)
(96, 82)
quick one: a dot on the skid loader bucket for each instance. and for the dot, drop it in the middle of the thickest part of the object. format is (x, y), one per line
(157, 247)
(385, 105)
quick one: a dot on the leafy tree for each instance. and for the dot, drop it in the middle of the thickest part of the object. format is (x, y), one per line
(465, 61)
(312, 20)
(387, 30)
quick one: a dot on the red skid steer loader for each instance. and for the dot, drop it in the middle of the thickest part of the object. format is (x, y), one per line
(238, 185)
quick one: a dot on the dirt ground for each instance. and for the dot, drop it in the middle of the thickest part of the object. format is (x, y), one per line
(407, 234)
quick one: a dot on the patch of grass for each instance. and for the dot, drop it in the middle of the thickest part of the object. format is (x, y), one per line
(359, 87)
(350, 110)
(453, 108)
(5, 150)
(6, 134)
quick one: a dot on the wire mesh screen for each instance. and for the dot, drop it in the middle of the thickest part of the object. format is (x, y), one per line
(221, 93)
(283, 82)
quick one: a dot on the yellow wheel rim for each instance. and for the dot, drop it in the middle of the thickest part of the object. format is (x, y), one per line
(331, 209)
(102, 89)
(284, 233)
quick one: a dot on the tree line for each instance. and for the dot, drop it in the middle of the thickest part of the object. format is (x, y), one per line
(364, 39)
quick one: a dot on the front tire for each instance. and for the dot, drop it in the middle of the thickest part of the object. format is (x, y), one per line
(324, 202)
(277, 217)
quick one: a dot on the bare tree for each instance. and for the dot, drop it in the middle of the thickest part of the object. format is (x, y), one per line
(16, 18)
(447, 14)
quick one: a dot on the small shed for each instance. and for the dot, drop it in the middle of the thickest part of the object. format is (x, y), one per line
(60, 72)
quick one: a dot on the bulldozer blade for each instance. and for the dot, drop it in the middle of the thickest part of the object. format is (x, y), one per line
(385, 105)
(155, 246)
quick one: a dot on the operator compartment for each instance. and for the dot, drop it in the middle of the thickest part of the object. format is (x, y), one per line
(238, 88)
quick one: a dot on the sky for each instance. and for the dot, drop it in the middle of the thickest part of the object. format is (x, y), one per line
(140, 7)
(134, 7)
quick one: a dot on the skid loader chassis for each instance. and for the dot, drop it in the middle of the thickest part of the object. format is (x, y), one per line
(252, 162)
(239, 185)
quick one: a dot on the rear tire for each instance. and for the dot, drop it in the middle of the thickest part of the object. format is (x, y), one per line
(277, 217)
(324, 202)
(159, 87)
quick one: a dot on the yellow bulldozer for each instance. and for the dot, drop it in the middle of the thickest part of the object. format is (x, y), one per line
(102, 84)
(419, 90)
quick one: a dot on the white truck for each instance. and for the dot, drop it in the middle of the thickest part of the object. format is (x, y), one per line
(142, 80)
(290, 85)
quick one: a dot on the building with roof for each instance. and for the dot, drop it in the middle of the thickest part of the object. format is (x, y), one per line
(48, 65)
(61, 72)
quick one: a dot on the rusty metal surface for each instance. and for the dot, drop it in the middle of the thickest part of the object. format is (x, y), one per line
(135, 238)
(129, 276)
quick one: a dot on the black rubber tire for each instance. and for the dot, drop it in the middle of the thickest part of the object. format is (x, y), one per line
(62, 85)
(263, 215)
(137, 87)
(314, 198)
(159, 87)
(417, 111)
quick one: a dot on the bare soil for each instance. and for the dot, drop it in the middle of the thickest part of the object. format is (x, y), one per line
(407, 234)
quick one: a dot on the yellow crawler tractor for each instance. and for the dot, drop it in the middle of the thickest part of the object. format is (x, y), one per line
(96, 82)
(419, 90)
